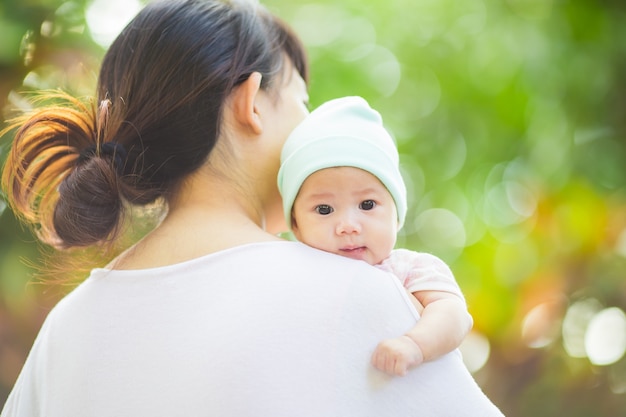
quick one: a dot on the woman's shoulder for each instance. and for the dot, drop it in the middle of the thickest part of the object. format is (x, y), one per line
(288, 252)
(251, 257)
(303, 257)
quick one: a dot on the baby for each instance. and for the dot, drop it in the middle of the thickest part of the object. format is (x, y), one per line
(343, 193)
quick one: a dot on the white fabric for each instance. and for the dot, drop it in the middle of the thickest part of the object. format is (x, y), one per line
(419, 271)
(265, 330)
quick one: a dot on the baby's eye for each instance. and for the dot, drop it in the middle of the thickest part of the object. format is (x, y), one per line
(367, 205)
(324, 209)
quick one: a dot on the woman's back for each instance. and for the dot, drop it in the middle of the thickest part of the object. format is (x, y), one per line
(267, 329)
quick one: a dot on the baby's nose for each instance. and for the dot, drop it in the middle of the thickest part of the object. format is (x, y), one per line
(348, 225)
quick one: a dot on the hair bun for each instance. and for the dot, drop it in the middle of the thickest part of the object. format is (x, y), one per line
(90, 203)
(115, 150)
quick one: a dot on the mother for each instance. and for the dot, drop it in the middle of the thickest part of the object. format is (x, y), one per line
(210, 314)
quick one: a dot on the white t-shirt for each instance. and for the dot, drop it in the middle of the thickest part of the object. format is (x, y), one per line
(261, 330)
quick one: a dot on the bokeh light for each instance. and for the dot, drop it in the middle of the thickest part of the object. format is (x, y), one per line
(441, 231)
(106, 18)
(542, 325)
(605, 339)
(575, 324)
(475, 350)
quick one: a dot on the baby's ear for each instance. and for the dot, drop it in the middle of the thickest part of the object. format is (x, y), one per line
(294, 226)
(244, 103)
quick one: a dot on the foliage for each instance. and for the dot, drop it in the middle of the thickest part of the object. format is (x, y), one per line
(509, 119)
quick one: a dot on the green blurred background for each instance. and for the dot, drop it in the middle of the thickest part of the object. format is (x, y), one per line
(509, 116)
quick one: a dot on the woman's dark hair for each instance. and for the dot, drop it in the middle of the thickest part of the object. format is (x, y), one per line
(163, 83)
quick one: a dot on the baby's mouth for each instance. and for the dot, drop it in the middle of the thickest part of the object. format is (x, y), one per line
(355, 252)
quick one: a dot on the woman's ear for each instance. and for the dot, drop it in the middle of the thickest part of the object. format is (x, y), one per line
(244, 103)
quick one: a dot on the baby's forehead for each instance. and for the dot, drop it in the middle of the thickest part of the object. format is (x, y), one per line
(343, 178)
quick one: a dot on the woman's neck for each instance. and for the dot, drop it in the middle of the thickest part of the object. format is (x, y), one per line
(202, 218)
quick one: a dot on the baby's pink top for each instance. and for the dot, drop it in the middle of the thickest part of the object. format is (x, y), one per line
(418, 271)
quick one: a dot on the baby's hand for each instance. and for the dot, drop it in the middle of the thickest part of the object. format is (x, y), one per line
(397, 356)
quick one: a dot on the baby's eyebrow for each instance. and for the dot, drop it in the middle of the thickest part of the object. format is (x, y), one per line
(367, 190)
(318, 195)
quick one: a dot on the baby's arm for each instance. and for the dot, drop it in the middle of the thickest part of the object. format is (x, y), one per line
(443, 325)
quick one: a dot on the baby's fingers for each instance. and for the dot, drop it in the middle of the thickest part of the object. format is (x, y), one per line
(388, 360)
(379, 359)
(400, 367)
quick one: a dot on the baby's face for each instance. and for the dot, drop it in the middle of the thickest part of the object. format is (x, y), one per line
(346, 211)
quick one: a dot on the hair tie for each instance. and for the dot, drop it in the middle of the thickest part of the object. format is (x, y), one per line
(113, 149)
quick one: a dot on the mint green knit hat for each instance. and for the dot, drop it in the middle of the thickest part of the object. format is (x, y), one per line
(341, 132)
